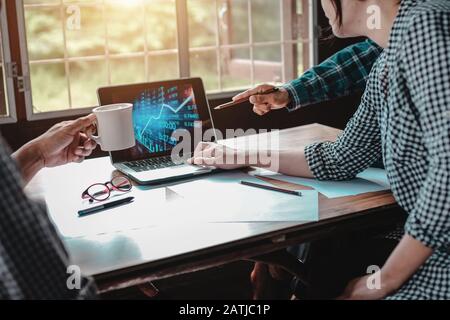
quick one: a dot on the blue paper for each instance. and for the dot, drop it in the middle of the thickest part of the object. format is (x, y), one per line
(371, 180)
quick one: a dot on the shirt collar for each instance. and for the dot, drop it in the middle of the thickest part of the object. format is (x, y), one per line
(398, 26)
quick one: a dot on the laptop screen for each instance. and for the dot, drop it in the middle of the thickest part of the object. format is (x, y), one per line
(158, 111)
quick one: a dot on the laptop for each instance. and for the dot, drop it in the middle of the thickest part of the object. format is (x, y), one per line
(160, 109)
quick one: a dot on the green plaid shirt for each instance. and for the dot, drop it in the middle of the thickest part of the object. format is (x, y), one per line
(343, 74)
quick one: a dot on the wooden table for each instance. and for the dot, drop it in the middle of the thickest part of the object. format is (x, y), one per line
(136, 255)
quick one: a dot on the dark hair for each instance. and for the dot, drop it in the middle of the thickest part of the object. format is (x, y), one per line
(338, 7)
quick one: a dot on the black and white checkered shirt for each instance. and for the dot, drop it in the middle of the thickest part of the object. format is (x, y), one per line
(405, 115)
(33, 260)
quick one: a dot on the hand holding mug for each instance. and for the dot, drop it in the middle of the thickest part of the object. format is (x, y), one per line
(66, 142)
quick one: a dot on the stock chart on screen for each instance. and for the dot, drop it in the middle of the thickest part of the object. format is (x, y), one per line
(159, 112)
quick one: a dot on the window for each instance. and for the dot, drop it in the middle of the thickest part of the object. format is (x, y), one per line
(7, 105)
(74, 47)
(4, 110)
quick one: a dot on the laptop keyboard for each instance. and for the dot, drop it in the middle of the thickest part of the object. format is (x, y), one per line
(151, 164)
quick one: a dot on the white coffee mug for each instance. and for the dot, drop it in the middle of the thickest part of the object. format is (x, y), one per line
(115, 127)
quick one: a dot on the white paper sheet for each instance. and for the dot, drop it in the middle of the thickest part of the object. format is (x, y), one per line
(155, 207)
(221, 198)
(371, 180)
(148, 209)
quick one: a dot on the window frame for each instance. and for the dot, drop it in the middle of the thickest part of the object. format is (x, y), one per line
(8, 67)
(183, 51)
(25, 62)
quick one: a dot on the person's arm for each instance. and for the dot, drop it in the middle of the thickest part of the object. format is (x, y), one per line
(428, 77)
(403, 263)
(354, 151)
(341, 75)
(62, 144)
(29, 160)
(290, 162)
(34, 262)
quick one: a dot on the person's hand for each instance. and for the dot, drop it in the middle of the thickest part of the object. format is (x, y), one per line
(270, 282)
(264, 103)
(208, 154)
(358, 289)
(66, 142)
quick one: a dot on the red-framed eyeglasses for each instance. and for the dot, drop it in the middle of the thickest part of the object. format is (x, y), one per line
(102, 191)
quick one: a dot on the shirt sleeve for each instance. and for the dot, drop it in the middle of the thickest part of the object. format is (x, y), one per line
(426, 61)
(33, 261)
(341, 75)
(354, 151)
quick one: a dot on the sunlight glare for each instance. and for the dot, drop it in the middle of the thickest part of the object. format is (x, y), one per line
(127, 3)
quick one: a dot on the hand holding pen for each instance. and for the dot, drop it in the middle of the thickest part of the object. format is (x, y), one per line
(264, 98)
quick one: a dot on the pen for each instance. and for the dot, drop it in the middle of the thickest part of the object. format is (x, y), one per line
(105, 206)
(262, 186)
(235, 103)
